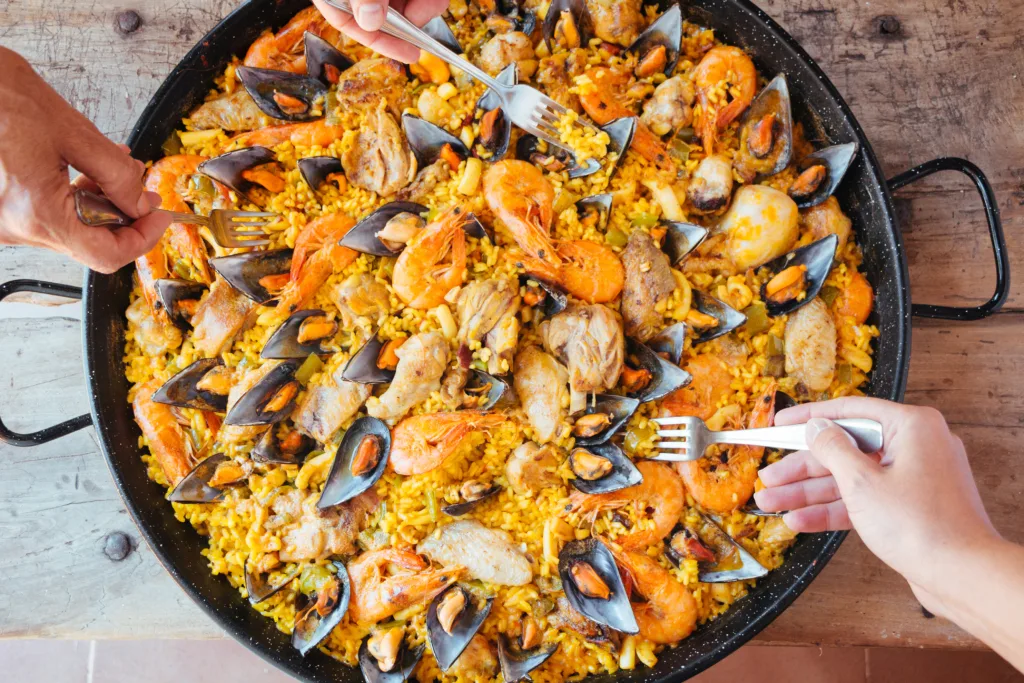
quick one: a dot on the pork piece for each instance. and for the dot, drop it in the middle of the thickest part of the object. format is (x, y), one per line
(309, 534)
(532, 468)
(232, 112)
(648, 280)
(422, 360)
(325, 407)
(379, 159)
(539, 382)
(589, 341)
(810, 341)
(220, 317)
(487, 554)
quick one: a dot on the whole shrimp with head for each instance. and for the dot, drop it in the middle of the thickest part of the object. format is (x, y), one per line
(669, 611)
(523, 200)
(433, 262)
(376, 595)
(422, 442)
(728, 66)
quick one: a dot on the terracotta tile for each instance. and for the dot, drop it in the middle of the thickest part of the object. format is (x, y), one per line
(44, 661)
(195, 661)
(899, 665)
(769, 664)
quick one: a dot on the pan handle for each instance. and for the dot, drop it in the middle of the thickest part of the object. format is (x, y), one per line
(64, 428)
(995, 229)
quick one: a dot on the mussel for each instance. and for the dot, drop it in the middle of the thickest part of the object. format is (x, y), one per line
(259, 586)
(595, 210)
(716, 318)
(567, 25)
(728, 552)
(316, 170)
(179, 298)
(453, 618)
(270, 400)
(593, 586)
(231, 169)
(766, 134)
(316, 616)
(471, 493)
(363, 366)
(669, 343)
(360, 462)
(664, 377)
(284, 95)
(405, 660)
(820, 174)
(324, 62)
(438, 29)
(303, 333)
(545, 297)
(257, 274)
(495, 125)
(386, 231)
(620, 137)
(537, 152)
(287, 450)
(494, 393)
(684, 543)
(657, 48)
(195, 486)
(511, 15)
(681, 238)
(517, 663)
(203, 385)
(602, 468)
(604, 416)
(797, 277)
(427, 140)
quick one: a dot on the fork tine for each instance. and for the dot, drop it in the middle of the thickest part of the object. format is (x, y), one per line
(253, 214)
(249, 227)
(679, 456)
(673, 420)
(663, 433)
(675, 444)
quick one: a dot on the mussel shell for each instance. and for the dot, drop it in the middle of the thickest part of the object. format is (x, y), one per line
(528, 143)
(181, 390)
(838, 159)
(728, 317)
(580, 15)
(517, 664)
(750, 569)
(315, 170)
(599, 202)
(438, 29)
(262, 84)
(670, 341)
(752, 509)
(407, 661)
(490, 100)
(306, 640)
(259, 589)
(783, 401)
(461, 508)
(284, 342)
(244, 271)
(620, 134)
(363, 235)
(362, 366)
(670, 553)
(762, 106)
(666, 377)
(268, 450)
(666, 30)
(320, 53)
(818, 257)
(193, 488)
(499, 393)
(170, 291)
(248, 410)
(556, 300)
(447, 647)
(474, 227)
(619, 408)
(681, 238)
(623, 475)
(615, 612)
(341, 484)
(227, 168)
(426, 140)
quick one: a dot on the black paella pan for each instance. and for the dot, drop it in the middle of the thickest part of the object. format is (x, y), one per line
(864, 195)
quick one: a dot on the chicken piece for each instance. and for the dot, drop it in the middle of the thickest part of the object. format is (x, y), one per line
(422, 360)
(220, 317)
(309, 534)
(234, 112)
(237, 433)
(379, 159)
(649, 280)
(452, 385)
(426, 180)
(532, 468)
(487, 311)
(810, 341)
(616, 21)
(711, 184)
(776, 533)
(478, 662)
(361, 296)
(589, 341)
(828, 219)
(565, 616)
(502, 341)
(326, 406)
(671, 106)
(557, 73)
(155, 335)
(363, 85)
(540, 382)
(508, 48)
(487, 554)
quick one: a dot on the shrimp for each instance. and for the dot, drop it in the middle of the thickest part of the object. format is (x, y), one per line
(316, 256)
(422, 442)
(166, 438)
(588, 270)
(723, 63)
(376, 597)
(523, 199)
(723, 483)
(285, 50)
(310, 134)
(661, 490)
(711, 382)
(669, 612)
(433, 262)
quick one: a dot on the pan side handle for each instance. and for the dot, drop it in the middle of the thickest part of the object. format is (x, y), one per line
(995, 229)
(64, 428)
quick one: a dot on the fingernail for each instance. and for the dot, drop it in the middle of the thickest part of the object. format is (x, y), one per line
(757, 499)
(815, 426)
(153, 200)
(370, 16)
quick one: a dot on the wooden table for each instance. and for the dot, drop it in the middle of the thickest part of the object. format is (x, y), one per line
(925, 79)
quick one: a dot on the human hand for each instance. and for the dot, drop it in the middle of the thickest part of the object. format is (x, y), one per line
(43, 135)
(368, 17)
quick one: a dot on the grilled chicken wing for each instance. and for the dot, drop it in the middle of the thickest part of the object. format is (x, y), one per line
(648, 280)
(540, 385)
(219, 318)
(325, 407)
(232, 112)
(422, 360)
(532, 468)
(670, 108)
(810, 340)
(508, 48)
(363, 85)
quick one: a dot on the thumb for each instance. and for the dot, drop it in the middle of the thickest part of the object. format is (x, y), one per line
(836, 450)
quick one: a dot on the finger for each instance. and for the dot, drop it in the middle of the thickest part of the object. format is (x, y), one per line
(369, 14)
(828, 517)
(836, 450)
(794, 467)
(850, 406)
(388, 46)
(420, 12)
(798, 495)
(105, 250)
(84, 182)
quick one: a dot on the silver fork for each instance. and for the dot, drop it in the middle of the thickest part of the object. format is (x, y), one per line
(230, 229)
(527, 107)
(696, 437)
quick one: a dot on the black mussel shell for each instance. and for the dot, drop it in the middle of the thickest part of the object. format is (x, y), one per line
(170, 291)
(490, 101)
(227, 168)
(462, 507)
(783, 401)
(556, 299)
(601, 203)
(407, 661)
(728, 317)
(615, 612)
(363, 235)
(284, 343)
(818, 257)
(666, 377)
(528, 144)
(362, 366)
(448, 646)
(315, 170)
(497, 391)
(426, 140)
(666, 30)
(580, 15)
(438, 29)
(618, 408)
(341, 484)
(181, 389)
(250, 408)
(749, 569)
(837, 159)
(517, 664)
(623, 473)
(698, 546)
(773, 98)
(267, 86)
(259, 588)
(752, 509)
(669, 342)
(244, 271)
(268, 449)
(474, 227)
(319, 55)
(193, 488)
(681, 238)
(620, 134)
(317, 627)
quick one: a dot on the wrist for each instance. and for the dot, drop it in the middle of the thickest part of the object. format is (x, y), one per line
(953, 574)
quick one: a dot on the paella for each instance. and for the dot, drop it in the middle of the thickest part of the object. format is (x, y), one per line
(417, 426)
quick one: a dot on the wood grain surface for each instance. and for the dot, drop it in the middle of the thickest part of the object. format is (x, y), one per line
(924, 78)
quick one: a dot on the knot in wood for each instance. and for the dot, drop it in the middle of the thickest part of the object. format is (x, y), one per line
(127, 22)
(889, 25)
(117, 546)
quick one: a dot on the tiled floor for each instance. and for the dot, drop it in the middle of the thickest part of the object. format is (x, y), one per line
(223, 661)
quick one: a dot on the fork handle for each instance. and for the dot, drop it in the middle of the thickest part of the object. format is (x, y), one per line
(867, 434)
(96, 210)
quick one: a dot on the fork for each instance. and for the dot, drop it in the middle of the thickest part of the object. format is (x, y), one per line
(527, 107)
(697, 437)
(230, 229)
